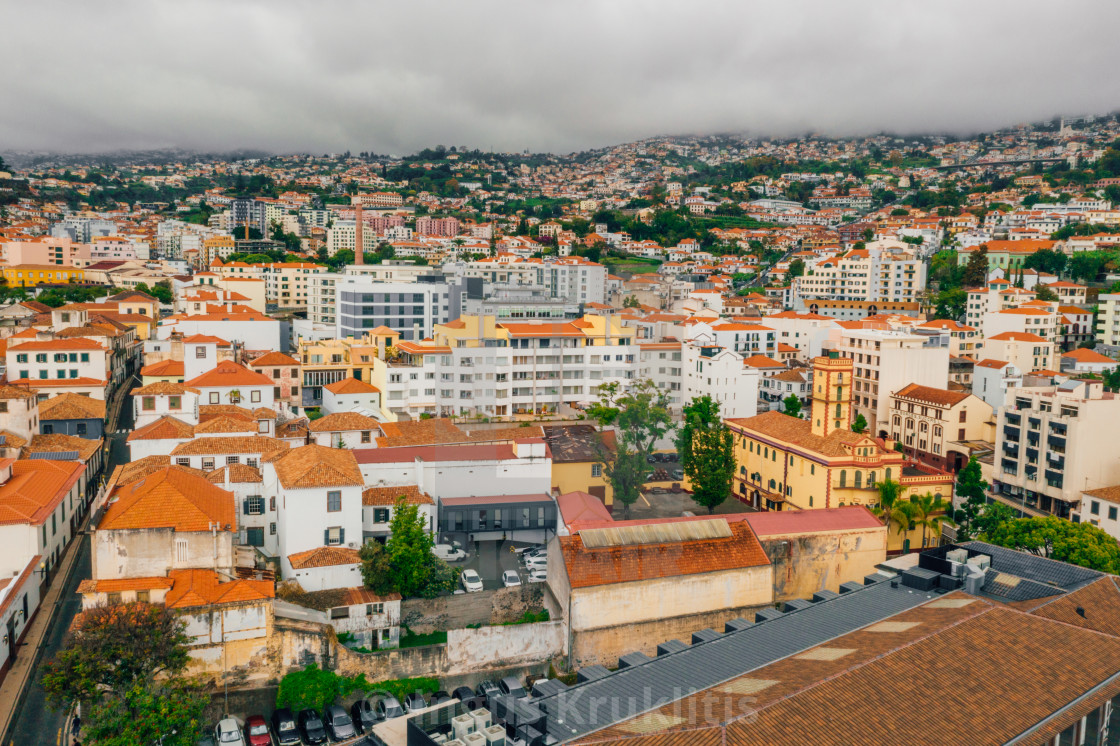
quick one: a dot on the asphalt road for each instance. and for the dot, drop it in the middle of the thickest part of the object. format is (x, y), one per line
(36, 724)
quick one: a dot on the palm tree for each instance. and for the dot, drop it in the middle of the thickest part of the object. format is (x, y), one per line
(931, 513)
(890, 494)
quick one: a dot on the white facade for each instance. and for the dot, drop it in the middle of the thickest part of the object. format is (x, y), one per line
(719, 373)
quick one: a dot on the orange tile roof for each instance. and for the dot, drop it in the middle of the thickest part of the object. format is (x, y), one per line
(16, 392)
(224, 444)
(124, 584)
(1083, 355)
(163, 368)
(235, 474)
(56, 382)
(76, 343)
(205, 339)
(205, 588)
(323, 557)
(226, 424)
(229, 373)
(317, 466)
(170, 498)
(351, 386)
(1016, 337)
(389, 495)
(59, 443)
(71, 406)
(163, 388)
(762, 361)
(587, 567)
(35, 489)
(165, 428)
(939, 397)
(273, 359)
(338, 421)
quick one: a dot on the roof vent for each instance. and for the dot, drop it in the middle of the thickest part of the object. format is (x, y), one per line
(1081, 612)
(796, 604)
(850, 586)
(705, 635)
(671, 646)
(736, 625)
(633, 659)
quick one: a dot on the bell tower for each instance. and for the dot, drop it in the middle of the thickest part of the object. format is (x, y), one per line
(832, 394)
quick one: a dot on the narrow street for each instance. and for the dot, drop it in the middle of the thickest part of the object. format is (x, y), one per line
(35, 724)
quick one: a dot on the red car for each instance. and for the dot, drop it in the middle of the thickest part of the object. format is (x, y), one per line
(256, 731)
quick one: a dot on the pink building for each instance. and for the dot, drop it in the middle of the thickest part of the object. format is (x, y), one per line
(444, 227)
(47, 250)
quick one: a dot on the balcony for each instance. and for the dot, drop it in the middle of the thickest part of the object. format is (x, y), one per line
(1011, 433)
(1056, 444)
(1055, 460)
(1054, 478)
(1011, 450)
(1058, 428)
(1013, 418)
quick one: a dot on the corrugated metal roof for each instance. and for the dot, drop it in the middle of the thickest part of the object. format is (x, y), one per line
(671, 677)
(655, 533)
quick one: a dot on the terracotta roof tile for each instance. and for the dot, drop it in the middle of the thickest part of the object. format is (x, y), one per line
(226, 424)
(59, 443)
(170, 498)
(274, 359)
(229, 373)
(323, 557)
(35, 489)
(165, 428)
(205, 587)
(124, 584)
(339, 421)
(235, 474)
(261, 444)
(351, 386)
(940, 397)
(317, 466)
(388, 496)
(71, 406)
(164, 368)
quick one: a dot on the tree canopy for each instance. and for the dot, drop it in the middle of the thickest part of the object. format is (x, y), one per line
(405, 563)
(707, 452)
(1081, 544)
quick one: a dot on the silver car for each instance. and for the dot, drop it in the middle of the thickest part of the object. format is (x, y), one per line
(510, 579)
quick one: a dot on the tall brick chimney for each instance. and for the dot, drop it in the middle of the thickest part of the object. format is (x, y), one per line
(359, 230)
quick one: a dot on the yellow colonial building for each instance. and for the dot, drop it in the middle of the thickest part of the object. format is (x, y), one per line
(787, 463)
(30, 275)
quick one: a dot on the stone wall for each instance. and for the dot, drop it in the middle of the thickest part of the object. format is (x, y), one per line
(807, 563)
(605, 645)
(423, 615)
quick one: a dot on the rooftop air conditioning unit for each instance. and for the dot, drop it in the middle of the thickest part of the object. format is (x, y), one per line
(957, 555)
(474, 739)
(974, 581)
(982, 561)
(495, 735)
(455, 742)
(481, 719)
(352, 544)
(462, 725)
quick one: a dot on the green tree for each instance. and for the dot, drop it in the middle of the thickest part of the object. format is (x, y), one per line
(414, 570)
(972, 493)
(707, 452)
(950, 304)
(931, 512)
(161, 291)
(976, 270)
(377, 573)
(1086, 265)
(631, 302)
(892, 508)
(125, 661)
(860, 424)
(791, 405)
(309, 688)
(641, 415)
(990, 518)
(1046, 260)
(167, 712)
(115, 648)
(1042, 292)
(796, 269)
(1081, 544)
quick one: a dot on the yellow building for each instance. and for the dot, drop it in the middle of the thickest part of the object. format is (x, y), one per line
(30, 275)
(787, 463)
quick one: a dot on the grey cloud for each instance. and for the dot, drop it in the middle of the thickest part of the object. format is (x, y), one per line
(544, 75)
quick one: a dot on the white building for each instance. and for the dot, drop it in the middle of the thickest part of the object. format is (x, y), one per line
(711, 370)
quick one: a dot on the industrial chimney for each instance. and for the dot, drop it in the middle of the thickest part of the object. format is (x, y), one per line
(359, 231)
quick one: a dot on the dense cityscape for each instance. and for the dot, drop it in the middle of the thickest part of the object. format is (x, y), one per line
(688, 440)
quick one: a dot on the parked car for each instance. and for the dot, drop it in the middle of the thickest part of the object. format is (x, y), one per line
(311, 725)
(472, 583)
(486, 688)
(677, 474)
(415, 702)
(440, 697)
(528, 549)
(339, 724)
(363, 715)
(512, 686)
(535, 562)
(462, 693)
(284, 726)
(448, 553)
(538, 575)
(256, 731)
(537, 551)
(228, 733)
(388, 708)
(511, 579)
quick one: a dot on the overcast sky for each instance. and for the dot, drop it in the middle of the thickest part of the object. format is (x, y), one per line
(557, 75)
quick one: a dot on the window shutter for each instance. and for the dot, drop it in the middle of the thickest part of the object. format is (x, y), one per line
(342, 536)
(326, 536)
(245, 506)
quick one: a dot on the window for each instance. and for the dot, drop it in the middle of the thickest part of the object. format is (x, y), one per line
(272, 529)
(214, 397)
(200, 352)
(148, 403)
(3, 406)
(332, 537)
(1095, 507)
(183, 461)
(254, 396)
(1112, 513)
(272, 503)
(963, 416)
(233, 460)
(843, 478)
(334, 501)
(48, 429)
(208, 464)
(181, 550)
(80, 428)
(85, 357)
(380, 515)
(254, 505)
(596, 470)
(372, 609)
(262, 426)
(340, 612)
(365, 436)
(143, 596)
(175, 402)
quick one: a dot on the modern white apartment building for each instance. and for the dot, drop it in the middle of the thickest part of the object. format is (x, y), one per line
(875, 274)
(661, 363)
(413, 309)
(711, 370)
(885, 361)
(1053, 443)
(475, 365)
(1108, 319)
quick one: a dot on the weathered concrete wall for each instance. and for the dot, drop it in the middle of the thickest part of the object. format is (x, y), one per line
(605, 645)
(806, 563)
(621, 604)
(149, 552)
(519, 644)
(423, 615)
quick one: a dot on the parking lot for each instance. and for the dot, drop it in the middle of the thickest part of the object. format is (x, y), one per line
(490, 559)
